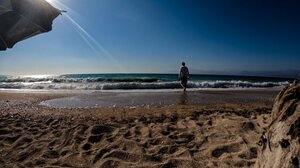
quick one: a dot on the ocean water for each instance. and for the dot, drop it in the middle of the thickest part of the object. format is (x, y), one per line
(135, 82)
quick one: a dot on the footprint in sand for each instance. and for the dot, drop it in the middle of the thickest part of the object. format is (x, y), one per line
(23, 141)
(51, 154)
(111, 163)
(49, 121)
(168, 129)
(4, 132)
(217, 152)
(248, 126)
(100, 129)
(154, 141)
(100, 154)
(10, 139)
(122, 155)
(168, 149)
(244, 163)
(86, 146)
(251, 154)
(185, 138)
(26, 154)
(79, 139)
(127, 135)
(82, 129)
(95, 138)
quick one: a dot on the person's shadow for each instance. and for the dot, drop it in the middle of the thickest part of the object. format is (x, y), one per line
(183, 98)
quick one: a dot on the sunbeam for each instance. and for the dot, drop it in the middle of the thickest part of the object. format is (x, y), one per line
(91, 42)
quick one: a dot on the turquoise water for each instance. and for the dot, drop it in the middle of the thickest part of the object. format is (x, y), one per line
(135, 81)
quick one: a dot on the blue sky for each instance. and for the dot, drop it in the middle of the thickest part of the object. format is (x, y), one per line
(154, 36)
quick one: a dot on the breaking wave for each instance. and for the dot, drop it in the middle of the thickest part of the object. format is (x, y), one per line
(76, 80)
(63, 83)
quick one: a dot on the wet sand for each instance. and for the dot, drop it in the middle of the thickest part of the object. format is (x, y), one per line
(156, 99)
(220, 129)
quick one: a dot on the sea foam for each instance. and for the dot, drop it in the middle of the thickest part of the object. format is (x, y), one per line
(126, 82)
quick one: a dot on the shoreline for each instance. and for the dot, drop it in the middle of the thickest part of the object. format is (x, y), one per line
(99, 99)
(278, 88)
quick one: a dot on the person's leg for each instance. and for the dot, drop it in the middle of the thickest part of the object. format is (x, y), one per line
(184, 83)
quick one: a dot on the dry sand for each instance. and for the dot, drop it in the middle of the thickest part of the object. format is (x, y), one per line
(192, 135)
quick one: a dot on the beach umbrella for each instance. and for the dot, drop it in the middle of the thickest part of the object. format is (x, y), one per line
(22, 19)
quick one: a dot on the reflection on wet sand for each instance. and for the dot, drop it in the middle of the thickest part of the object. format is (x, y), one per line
(183, 98)
(133, 99)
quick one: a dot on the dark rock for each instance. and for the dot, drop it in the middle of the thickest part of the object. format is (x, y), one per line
(285, 116)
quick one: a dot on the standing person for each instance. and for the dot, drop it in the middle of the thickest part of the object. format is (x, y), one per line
(184, 75)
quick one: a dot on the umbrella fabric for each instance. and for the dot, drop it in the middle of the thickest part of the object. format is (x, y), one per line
(21, 19)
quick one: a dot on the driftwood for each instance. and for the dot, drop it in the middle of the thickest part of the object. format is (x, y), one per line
(280, 143)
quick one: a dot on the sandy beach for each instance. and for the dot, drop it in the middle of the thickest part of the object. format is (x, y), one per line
(149, 84)
(203, 129)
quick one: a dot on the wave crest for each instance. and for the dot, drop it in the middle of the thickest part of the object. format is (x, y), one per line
(75, 80)
(105, 85)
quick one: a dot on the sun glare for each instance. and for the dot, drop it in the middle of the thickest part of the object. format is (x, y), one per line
(49, 1)
(53, 2)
